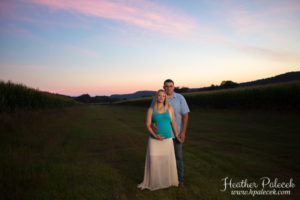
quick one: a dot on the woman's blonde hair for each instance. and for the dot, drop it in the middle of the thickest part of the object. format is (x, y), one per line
(165, 103)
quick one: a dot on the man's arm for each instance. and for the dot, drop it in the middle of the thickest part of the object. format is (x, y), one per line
(174, 124)
(184, 109)
(185, 119)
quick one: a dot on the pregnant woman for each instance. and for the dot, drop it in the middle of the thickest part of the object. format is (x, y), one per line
(160, 165)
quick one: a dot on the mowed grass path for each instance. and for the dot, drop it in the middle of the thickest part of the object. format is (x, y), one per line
(98, 152)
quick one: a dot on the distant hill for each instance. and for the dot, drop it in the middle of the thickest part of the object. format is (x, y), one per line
(286, 77)
(289, 76)
(86, 98)
(138, 94)
(279, 96)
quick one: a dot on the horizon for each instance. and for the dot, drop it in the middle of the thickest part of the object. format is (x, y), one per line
(107, 47)
(129, 93)
(179, 87)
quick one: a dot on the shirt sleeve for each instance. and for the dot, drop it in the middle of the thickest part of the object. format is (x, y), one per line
(184, 106)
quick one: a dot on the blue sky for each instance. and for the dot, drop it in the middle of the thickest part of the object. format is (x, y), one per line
(106, 47)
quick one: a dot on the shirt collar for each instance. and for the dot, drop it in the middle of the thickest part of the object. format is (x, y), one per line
(173, 95)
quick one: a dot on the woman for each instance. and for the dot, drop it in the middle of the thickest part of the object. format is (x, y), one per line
(160, 165)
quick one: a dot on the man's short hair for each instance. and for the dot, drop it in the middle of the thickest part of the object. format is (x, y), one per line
(168, 81)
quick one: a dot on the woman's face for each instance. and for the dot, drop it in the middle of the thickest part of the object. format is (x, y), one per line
(161, 97)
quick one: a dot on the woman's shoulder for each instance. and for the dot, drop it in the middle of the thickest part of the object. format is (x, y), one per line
(150, 109)
(171, 108)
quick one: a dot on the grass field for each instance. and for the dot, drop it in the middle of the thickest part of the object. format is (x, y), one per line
(98, 152)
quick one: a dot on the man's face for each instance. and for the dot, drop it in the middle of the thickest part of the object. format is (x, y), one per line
(169, 88)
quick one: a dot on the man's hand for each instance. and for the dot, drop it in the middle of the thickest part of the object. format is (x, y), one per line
(178, 138)
(182, 137)
(153, 126)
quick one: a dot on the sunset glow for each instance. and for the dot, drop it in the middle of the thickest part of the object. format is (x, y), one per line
(104, 47)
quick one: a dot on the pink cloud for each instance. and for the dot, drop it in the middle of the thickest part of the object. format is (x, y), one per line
(266, 19)
(214, 37)
(17, 10)
(5, 8)
(271, 54)
(141, 13)
(266, 15)
(12, 29)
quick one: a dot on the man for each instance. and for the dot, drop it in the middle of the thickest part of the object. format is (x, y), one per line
(181, 116)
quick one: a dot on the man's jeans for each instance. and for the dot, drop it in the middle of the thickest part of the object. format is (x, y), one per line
(179, 162)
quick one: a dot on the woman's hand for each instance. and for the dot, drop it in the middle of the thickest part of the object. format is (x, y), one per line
(154, 128)
(159, 137)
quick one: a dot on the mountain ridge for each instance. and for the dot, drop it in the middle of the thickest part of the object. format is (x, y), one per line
(285, 77)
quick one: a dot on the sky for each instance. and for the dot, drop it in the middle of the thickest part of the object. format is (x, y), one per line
(104, 47)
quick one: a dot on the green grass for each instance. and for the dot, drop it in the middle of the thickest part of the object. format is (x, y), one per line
(98, 152)
(20, 97)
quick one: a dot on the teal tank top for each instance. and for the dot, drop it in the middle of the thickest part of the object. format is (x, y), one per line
(163, 125)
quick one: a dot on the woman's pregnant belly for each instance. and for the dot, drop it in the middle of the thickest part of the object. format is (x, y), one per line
(164, 130)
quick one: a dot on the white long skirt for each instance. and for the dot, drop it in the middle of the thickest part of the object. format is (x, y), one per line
(160, 165)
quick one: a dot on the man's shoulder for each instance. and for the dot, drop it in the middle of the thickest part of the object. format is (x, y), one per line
(179, 96)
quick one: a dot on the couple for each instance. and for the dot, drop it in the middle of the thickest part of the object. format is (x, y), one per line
(166, 122)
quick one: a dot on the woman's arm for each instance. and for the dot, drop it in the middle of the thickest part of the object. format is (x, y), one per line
(148, 124)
